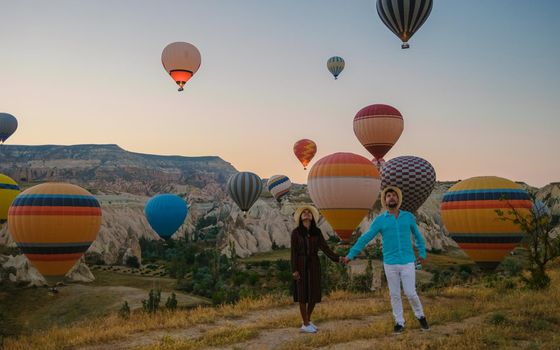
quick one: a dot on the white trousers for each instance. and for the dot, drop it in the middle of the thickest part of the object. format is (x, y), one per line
(407, 275)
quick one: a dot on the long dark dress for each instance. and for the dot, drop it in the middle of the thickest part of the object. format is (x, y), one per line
(305, 246)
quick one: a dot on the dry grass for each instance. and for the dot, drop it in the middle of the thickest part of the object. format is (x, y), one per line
(464, 317)
(114, 327)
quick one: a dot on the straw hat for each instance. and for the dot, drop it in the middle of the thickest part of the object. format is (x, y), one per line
(399, 194)
(300, 210)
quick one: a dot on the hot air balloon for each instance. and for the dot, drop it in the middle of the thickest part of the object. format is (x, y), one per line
(54, 224)
(378, 163)
(9, 190)
(8, 125)
(279, 186)
(404, 17)
(344, 187)
(335, 65)
(468, 211)
(244, 188)
(378, 127)
(181, 60)
(166, 213)
(414, 176)
(305, 150)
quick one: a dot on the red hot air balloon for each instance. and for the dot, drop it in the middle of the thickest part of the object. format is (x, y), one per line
(378, 127)
(305, 150)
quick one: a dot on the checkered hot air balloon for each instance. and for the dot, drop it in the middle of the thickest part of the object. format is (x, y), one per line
(344, 187)
(54, 224)
(279, 186)
(414, 176)
(468, 211)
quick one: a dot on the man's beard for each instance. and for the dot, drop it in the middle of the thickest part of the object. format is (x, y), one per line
(392, 205)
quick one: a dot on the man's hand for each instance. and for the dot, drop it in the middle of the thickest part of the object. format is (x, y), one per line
(421, 260)
(344, 260)
(295, 275)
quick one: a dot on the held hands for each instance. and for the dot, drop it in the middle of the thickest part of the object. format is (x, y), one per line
(344, 260)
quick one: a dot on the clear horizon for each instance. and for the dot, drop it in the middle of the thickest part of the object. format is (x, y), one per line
(478, 88)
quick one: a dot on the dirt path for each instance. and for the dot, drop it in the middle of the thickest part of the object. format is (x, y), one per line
(279, 337)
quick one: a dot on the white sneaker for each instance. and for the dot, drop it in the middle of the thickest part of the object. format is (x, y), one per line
(307, 329)
(313, 325)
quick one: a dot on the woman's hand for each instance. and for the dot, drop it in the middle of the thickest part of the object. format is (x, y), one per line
(295, 275)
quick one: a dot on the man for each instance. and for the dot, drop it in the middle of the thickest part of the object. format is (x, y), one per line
(396, 227)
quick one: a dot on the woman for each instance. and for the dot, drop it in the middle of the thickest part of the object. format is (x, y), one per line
(307, 239)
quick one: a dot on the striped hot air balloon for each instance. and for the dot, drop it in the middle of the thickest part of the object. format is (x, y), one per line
(8, 125)
(414, 176)
(468, 211)
(335, 65)
(54, 224)
(244, 188)
(279, 186)
(9, 190)
(181, 60)
(404, 17)
(305, 150)
(378, 127)
(344, 187)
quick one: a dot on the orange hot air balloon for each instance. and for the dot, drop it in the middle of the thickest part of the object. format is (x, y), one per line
(305, 150)
(181, 60)
(378, 127)
(344, 187)
(468, 211)
(54, 224)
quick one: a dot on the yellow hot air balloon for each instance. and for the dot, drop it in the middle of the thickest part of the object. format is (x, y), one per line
(344, 187)
(181, 60)
(9, 190)
(468, 211)
(54, 224)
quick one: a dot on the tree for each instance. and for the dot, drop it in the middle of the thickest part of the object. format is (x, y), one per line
(152, 304)
(171, 303)
(541, 244)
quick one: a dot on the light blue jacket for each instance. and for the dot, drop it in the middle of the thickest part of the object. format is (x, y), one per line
(395, 234)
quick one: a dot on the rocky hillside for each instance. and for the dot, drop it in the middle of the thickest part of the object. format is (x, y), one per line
(123, 181)
(110, 168)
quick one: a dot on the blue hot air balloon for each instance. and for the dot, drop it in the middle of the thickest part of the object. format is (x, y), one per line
(166, 213)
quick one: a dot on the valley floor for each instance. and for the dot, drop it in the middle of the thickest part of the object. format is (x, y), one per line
(501, 315)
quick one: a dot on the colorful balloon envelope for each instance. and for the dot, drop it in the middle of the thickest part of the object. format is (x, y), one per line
(335, 65)
(166, 213)
(344, 187)
(468, 211)
(279, 186)
(181, 60)
(414, 176)
(378, 127)
(8, 125)
(9, 190)
(404, 17)
(244, 188)
(54, 224)
(305, 150)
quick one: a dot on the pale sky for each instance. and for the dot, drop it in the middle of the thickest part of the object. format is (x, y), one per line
(479, 88)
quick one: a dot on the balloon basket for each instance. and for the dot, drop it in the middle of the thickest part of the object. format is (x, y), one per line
(405, 46)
